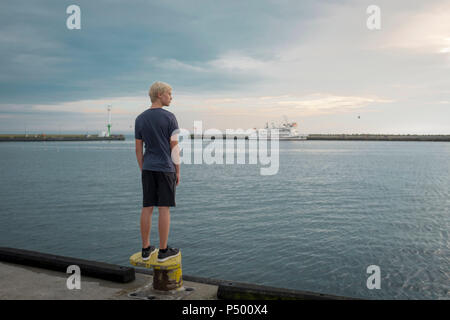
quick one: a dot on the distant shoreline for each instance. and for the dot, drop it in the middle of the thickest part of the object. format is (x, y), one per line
(324, 137)
(344, 137)
(379, 137)
(58, 137)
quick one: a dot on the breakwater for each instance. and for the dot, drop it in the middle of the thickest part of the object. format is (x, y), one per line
(58, 137)
(341, 137)
(335, 137)
(379, 137)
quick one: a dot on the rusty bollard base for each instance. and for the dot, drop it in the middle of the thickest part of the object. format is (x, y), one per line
(167, 278)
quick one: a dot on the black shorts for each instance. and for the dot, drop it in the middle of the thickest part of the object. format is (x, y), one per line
(158, 188)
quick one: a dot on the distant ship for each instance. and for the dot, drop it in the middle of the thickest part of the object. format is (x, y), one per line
(286, 131)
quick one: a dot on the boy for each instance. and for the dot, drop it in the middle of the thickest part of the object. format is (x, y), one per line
(158, 128)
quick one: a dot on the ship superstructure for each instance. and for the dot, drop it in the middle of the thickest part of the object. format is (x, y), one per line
(286, 131)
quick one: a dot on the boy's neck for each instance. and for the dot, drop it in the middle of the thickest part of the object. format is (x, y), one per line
(156, 106)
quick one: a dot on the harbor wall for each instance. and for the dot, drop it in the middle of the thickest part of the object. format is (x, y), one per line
(58, 137)
(342, 137)
(379, 137)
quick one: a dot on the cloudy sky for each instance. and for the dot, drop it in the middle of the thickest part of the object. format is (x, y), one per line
(232, 64)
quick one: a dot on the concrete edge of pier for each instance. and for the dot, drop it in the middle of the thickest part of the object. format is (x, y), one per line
(31, 275)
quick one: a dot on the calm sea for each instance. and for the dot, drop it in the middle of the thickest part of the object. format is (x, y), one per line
(334, 209)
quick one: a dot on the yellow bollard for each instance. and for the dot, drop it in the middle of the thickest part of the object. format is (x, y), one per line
(167, 275)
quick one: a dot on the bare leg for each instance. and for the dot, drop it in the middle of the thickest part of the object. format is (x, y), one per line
(163, 226)
(146, 225)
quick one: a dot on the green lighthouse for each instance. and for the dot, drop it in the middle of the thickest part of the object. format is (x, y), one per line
(109, 120)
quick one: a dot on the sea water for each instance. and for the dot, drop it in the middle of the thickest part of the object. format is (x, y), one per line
(333, 209)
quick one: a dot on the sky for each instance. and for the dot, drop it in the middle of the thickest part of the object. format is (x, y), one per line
(231, 64)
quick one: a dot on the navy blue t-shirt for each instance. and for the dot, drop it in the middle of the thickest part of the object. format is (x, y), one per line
(155, 127)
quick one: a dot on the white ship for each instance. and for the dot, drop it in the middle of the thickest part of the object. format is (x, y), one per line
(286, 131)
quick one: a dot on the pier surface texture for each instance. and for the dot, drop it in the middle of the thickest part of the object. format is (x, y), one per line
(31, 275)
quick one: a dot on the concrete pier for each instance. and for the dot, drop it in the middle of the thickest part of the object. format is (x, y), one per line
(19, 282)
(30, 275)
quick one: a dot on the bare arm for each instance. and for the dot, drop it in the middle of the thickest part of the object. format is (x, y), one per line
(175, 153)
(140, 152)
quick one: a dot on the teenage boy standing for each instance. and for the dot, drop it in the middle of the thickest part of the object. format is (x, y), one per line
(158, 128)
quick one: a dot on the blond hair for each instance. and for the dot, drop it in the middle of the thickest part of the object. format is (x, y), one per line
(158, 88)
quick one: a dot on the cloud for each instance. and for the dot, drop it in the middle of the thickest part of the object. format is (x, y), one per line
(233, 63)
(427, 31)
(120, 106)
(290, 104)
(321, 102)
(237, 62)
(177, 65)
